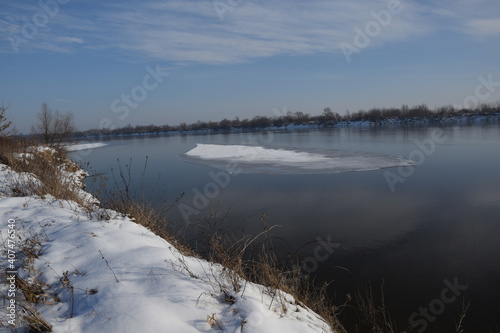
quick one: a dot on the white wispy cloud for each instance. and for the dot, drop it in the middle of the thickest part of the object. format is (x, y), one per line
(192, 31)
(484, 27)
(70, 40)
(469, 17)
(30, 27)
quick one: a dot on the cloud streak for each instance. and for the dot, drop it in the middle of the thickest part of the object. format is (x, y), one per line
(191, 31)
(484, 27)
(469, 17)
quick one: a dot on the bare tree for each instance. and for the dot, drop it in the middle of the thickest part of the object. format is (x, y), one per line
(53, 127)
(328, 114)
(4, 124)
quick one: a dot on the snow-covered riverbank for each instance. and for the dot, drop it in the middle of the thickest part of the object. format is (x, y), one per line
(102, 272)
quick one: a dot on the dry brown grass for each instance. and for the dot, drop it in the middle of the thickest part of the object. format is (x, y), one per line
(139, 206)
(371, 314)
(31, 290)
(47, 167)
(7, 147)
(255, 259)
(33, 321)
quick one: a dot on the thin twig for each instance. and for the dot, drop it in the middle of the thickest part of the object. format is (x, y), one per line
(107, 263)
(459, 326)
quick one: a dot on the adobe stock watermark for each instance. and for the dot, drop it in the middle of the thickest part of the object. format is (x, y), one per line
(221, 7)
(11, 273)
(211, 190)
(372, 29)
(420, 319)
(29, 29)
(321, 252)
(425, 148)
(483, 91)
(220, 179)
(121, 106)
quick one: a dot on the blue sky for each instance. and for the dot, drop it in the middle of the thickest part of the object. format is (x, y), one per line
(227, 58)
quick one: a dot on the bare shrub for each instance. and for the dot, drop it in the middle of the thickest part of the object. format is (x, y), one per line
(52, 127)
(4, 123)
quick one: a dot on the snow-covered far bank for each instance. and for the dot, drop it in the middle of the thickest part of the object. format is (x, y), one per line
(85, 146)
(255, 159)
(433, 120)
(102, 272)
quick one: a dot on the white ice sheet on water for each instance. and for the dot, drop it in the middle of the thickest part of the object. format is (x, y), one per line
(85, 146)
(255, 159)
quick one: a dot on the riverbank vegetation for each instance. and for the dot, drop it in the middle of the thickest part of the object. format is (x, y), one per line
(329, 118)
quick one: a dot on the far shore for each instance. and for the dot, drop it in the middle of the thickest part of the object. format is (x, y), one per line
(275, 125)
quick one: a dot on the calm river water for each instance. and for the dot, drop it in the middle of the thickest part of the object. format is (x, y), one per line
(430, 234)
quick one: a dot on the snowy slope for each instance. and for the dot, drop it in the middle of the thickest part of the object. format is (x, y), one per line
(113, 275)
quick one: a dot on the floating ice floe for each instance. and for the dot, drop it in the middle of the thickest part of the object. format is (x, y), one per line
(85, 146)
(255, 159)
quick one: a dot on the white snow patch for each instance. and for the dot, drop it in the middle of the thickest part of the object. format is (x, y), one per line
(41, 149)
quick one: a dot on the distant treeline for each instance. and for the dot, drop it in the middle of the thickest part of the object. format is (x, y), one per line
(327, 118)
